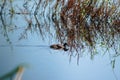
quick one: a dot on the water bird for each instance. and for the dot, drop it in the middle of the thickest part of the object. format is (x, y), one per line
(60, 47)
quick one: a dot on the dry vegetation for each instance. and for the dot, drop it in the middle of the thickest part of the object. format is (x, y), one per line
(85, 24)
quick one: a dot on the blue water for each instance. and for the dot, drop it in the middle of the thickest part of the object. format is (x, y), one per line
(46, 64)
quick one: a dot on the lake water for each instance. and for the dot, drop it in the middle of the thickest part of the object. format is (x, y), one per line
(46, 64)
(43, 63)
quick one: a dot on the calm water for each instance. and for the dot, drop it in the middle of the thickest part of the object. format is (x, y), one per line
(46, 64)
